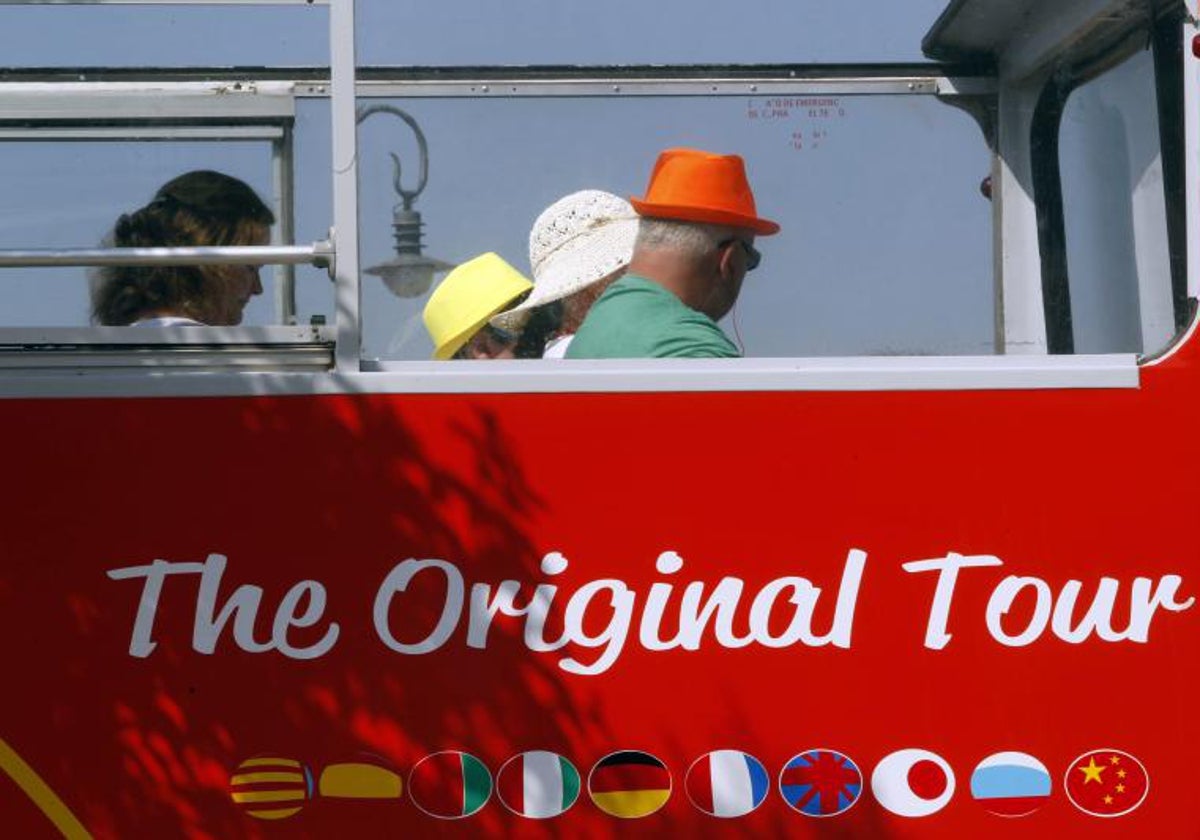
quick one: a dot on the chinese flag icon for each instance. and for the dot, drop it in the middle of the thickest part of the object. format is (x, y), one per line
(1106, 783)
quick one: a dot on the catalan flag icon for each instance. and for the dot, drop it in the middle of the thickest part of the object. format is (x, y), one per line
(450, 785)
(629, 784)
(271, 788)
(537, 784)
(359, 780)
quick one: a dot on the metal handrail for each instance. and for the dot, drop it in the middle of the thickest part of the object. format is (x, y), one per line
(319, 254)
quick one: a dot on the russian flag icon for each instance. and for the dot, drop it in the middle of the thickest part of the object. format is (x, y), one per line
(727, 783)
(1011, 784)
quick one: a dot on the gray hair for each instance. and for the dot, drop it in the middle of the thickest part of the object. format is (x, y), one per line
(691, 238)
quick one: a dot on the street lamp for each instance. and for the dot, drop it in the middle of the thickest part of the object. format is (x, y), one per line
(410, 273)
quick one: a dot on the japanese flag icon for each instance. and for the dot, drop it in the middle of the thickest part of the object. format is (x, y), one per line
(913, 783)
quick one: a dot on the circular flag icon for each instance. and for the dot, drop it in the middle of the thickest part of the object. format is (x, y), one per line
(450, 785)
(629, 784)
(821, 783)
(1011, 784)
(367, 779)
(537, 784)
(1106, 783)
(727, 783)
(271, 788)
(913, 783)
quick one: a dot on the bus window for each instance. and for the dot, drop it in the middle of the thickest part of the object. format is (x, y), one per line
(70, 181)
(69, 195)
(885, 228)
(1117, 251)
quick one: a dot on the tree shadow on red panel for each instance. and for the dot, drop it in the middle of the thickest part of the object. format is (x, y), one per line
(340, 491)
(336, 490)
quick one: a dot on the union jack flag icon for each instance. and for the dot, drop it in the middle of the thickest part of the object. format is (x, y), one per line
(821, 783)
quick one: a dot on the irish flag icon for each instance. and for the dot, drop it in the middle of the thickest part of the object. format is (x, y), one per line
(1011, 784)
(727, 783)
(537, 784)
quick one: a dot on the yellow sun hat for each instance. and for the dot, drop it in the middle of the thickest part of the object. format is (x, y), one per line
(467, 298)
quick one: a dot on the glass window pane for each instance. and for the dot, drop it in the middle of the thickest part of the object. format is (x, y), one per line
(886, 241)
(1115, 212)
(69, 195)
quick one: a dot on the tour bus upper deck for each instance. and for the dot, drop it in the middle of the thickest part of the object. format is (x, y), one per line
(292, 578)
(876, 180)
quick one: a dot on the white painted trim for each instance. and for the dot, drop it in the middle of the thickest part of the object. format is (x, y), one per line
(625, 86)
(343, 109)
(85, 338)
(1187, 336)
(964, 373)
(81, 101)
(1191, 145)
(143, 132)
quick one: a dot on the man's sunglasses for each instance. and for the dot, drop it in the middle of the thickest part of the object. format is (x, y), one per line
(753, 257)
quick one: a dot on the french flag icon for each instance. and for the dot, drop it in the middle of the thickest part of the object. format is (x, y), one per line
(727, 783)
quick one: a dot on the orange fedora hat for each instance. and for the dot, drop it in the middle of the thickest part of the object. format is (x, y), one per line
(695, 186)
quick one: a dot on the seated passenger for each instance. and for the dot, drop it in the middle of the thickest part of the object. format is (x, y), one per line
(457, 312)
(197, 209)
(578, 246)
(694, 246)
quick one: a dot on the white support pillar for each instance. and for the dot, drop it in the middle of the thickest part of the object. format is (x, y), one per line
(345, 184)
(1018, 263)
(284, 231)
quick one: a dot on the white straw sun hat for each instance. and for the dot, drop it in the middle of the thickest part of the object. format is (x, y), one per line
(577, 240)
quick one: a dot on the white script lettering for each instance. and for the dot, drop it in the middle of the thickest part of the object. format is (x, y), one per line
(242, 606)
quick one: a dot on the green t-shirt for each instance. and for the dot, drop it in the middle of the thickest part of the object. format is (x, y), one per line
(636, 318)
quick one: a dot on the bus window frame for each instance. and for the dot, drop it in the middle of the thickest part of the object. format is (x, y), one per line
(210, 120)
(102, 110)
(1164, 36)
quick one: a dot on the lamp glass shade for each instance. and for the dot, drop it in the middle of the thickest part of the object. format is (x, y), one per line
(409, 275)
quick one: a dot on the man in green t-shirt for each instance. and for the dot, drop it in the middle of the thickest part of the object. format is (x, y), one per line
(695, 244)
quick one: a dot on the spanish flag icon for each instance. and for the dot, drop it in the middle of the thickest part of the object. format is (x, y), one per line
(360, 780)
(629, 784)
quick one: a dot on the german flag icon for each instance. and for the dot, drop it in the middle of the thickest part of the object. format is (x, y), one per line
(629, 784)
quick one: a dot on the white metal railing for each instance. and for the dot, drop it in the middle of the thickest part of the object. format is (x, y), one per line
(319, 254)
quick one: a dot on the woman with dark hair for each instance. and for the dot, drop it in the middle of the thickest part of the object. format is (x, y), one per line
(200, 208)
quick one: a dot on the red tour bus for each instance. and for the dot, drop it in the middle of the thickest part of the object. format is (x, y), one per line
(289, 579)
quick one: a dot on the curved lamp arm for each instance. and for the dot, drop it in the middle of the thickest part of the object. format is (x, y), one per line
(409, 196)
